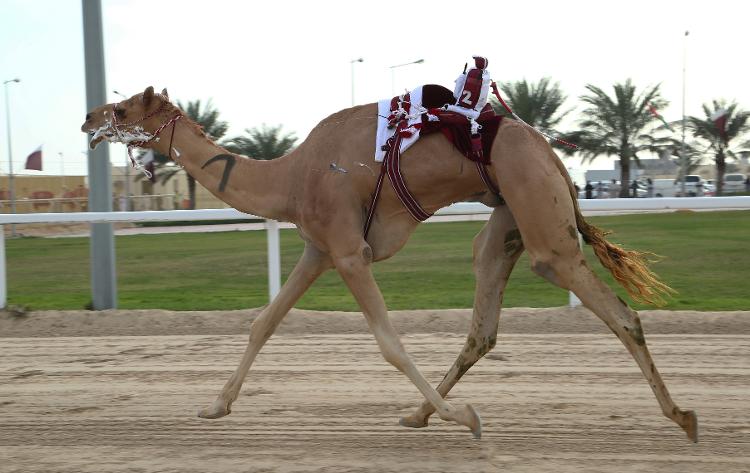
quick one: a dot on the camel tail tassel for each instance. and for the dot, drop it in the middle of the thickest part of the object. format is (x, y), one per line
(629, 267)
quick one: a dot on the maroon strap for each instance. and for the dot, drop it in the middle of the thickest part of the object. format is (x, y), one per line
(374, 200)
(392, 163)
(392, 167)
(482, 168)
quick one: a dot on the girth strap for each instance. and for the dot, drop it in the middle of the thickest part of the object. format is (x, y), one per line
(392, 167)
(482, 169)
(392, 163)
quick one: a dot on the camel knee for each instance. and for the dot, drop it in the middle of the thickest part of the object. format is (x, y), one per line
(394, 354)
(474, 349)
(482, 346)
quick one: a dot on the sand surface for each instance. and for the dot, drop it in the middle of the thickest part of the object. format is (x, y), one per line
(118, 391)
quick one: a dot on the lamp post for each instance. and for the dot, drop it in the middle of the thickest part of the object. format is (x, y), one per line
(393, 72)
(352, 75)
(11, 190)
(683, 156)
(102, 241)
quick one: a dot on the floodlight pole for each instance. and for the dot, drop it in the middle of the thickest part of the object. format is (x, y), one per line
(393, 72)
(103, 276)
(683, 156)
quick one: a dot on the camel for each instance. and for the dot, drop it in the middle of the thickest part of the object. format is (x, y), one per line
(324, 186)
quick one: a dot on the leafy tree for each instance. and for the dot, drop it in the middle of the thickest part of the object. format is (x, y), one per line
(619, 126)
(262, 142)
(538, 104)
(207, 117)
(724, 143)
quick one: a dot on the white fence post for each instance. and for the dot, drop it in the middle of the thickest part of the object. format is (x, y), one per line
(3, 277)
(274, 259)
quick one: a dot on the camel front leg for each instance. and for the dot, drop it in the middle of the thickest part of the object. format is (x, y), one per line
(496, 250)
(356, 271)
(311, 265)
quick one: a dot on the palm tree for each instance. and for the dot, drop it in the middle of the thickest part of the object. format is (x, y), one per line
(619, 126)
(262, 142)
(538, 104)
(208, 118)
(721, 140)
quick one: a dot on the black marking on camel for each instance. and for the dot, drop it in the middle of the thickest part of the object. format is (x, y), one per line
(231, 160)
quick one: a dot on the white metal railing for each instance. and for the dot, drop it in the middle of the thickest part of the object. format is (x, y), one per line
(72, 204)
(272, 227)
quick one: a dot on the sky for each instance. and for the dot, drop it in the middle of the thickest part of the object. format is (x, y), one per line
(289, 62)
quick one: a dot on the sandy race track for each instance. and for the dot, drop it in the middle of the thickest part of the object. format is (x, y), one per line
(118, 391)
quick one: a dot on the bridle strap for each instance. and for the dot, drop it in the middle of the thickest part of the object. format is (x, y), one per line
(139, 144)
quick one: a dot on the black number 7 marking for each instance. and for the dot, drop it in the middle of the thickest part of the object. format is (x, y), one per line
(227, 169)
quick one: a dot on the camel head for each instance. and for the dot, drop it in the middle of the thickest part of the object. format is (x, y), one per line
(136, 120)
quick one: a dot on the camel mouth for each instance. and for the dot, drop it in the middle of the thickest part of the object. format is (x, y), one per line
(97, 136)
(132, 136)
(95, 141)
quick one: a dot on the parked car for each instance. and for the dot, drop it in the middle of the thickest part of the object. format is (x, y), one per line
(693, 186)
(665, 188)
(734, 182)
(603, 190)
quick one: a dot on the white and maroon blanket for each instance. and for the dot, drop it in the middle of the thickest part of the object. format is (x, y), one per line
(408, 106)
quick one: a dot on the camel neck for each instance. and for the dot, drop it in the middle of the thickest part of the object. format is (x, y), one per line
(256, 187)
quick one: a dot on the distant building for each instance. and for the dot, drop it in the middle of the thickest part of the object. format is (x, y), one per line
(129, 189)
(654, 167)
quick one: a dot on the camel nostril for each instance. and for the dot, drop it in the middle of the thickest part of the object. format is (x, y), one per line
(88, 116)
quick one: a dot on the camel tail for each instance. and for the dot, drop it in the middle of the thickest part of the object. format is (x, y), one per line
(629, 267)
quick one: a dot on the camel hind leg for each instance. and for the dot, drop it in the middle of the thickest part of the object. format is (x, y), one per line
(540, 198)
(496, 250)
(626, 324)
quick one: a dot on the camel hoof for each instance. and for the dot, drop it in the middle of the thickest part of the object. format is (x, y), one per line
(414, 421)
(689, 423)
(469, 417)
(215, 410)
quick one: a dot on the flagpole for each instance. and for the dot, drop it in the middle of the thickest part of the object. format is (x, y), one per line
(682, 147)
(11, 189)
(62, 170)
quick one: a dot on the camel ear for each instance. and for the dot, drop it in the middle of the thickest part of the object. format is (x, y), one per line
(164, 92)
(148, 96)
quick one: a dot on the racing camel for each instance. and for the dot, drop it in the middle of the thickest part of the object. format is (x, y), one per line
(325, 185)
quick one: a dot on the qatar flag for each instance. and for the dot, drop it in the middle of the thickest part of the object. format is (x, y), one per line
(719, 118)
(34, 160)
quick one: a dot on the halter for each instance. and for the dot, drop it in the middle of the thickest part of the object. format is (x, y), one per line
(155, 137)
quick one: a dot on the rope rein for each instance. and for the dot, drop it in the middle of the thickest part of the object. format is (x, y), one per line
(549, 137)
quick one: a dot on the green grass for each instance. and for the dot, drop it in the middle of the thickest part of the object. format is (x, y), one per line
(706, 258)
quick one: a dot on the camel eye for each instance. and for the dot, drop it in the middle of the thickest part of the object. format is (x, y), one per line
(120, 112)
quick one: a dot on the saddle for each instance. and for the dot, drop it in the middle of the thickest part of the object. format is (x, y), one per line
(464, 117)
